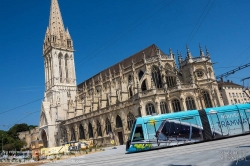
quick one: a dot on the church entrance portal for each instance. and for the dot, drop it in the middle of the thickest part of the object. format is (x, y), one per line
(120, 137)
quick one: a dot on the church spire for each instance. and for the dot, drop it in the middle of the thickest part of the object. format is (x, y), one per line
(56, 35)
(55, 21)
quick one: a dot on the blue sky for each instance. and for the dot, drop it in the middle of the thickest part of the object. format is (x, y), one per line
(106, 32)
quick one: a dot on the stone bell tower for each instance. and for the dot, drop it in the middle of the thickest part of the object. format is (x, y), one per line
(60, 77)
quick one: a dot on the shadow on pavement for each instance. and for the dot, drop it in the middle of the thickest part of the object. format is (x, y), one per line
(241, 161)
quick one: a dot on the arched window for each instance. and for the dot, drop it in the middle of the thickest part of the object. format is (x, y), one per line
(143, 86)
(108, 126)
(91, 135)
(171, 81)
(164, 108)
(207, 99)
(67, 68)
(190, 103)
(156, 77)
(130, 79)
(130, 92)
(81, 131)
(150, 109)
(235, 101)
(130, 119)
(118, 121)
(47, 73)
(60, 68)
(99, 129)
(140, 74)
(73, 136)
(176, 105)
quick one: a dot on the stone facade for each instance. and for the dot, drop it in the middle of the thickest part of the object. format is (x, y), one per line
(146, 83)
(60, 78)
(29, 136)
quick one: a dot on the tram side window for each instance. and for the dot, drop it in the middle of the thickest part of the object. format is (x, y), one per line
(185, 131)
(138, 135)
(196, 128)
(171, 128)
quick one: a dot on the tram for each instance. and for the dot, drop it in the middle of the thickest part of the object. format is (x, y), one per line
(154, 131)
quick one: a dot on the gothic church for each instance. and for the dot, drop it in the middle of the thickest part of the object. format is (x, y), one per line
(106, 105)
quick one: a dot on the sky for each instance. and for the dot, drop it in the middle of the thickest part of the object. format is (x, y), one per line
(106, 32)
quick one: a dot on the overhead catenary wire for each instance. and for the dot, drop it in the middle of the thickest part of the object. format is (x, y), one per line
(198, 23)
(97, 54)
(92, 56)
(120, 32)
(239, 56)
(107, 42)
(202, 21)
(21, 106)
(100, 47)
(9, 125)
(26, 116)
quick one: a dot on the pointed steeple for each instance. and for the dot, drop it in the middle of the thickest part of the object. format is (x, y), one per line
(171, 53)
(179, 58)
(207, 53)
(68, 35)
(55, 21)
(189, 56)
(56, 36)
(201, 52)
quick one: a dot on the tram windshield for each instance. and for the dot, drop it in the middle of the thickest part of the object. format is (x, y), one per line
(132, 131)
(138, 135)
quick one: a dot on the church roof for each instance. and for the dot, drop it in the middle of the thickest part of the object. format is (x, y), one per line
(148, 52)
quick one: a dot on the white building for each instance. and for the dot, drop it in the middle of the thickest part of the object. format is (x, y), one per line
(232, 93)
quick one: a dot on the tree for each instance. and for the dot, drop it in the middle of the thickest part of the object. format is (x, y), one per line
(2, 136)
(10, 138)
(17, 128)
(8, 147)
(19, 144)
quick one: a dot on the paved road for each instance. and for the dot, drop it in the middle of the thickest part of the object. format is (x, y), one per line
(226, 152)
